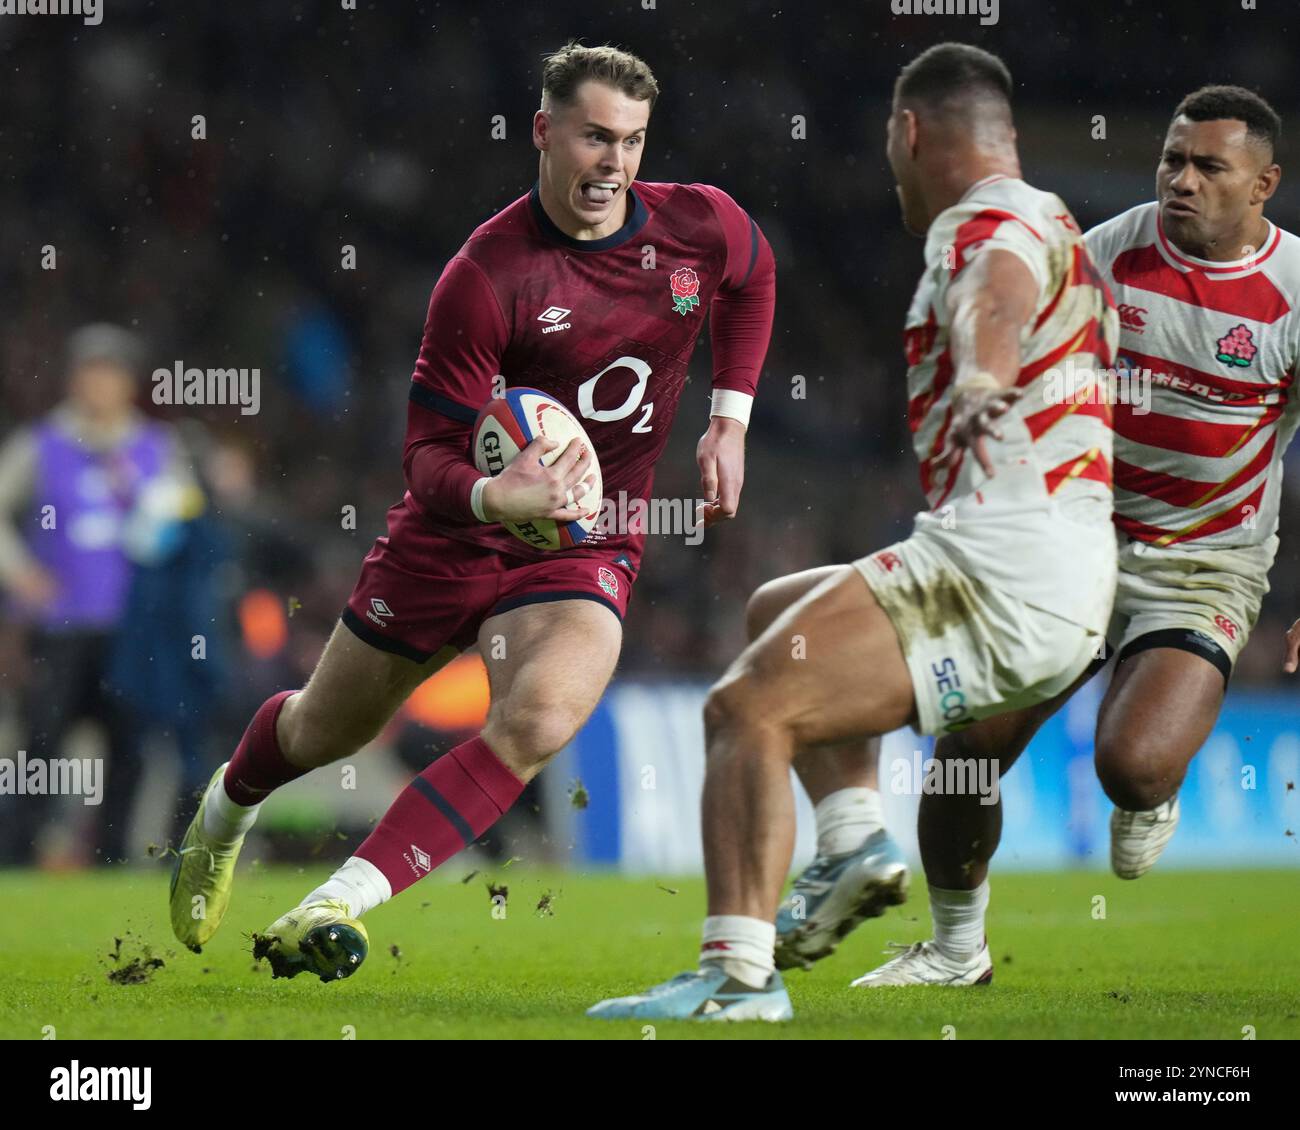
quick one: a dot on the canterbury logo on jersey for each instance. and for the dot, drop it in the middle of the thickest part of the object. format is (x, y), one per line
(1132, 317)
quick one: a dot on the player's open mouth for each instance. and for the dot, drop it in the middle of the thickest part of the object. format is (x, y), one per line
(598, 193)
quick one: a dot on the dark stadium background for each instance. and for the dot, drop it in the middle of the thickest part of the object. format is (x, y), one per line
(374, 128)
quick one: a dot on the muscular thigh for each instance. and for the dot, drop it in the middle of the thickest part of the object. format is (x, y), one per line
(774, 597)
(1162, 702)
(830, 666)
(353, 692)
(548, 665)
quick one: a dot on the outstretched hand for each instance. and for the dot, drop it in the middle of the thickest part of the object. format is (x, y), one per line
(973, 416)
(721, 458)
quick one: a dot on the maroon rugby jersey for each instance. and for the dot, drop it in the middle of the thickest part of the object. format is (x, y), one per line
(593, 324)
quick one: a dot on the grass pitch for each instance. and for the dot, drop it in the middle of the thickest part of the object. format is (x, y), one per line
(1177, 955)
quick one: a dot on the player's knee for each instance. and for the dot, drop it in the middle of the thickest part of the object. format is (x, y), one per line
(1132, 772)
(530, 736)
(733, 701)
(720, 708)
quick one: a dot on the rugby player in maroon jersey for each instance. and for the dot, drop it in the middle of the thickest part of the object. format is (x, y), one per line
(592, 288)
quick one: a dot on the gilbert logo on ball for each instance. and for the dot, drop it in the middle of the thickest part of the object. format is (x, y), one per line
(686, 288)
(508, 424)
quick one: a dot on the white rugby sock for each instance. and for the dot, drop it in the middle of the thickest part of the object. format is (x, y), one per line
(224, 821)
(359, 883)
(846, 818)
(959, 921)
(744, 948)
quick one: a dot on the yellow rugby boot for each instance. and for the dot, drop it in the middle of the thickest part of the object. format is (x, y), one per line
(202, 879)
(321, 938)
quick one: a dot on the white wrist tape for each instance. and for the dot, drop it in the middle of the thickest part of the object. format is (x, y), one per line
(476, 498)
(732, 404)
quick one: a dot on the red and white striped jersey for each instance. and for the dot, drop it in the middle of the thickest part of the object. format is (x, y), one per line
(1221, 341)
(1074, 326)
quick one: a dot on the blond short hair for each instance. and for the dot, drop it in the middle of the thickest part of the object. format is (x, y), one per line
(563, 71)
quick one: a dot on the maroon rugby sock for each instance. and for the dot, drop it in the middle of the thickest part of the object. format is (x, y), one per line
(445, 809)
(259, 767)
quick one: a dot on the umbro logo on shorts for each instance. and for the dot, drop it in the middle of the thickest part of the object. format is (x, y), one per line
(554, 317)
(379, 612)
(888, 561)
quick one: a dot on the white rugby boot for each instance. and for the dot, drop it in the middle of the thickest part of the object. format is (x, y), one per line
(1138, 838)
(923, 964)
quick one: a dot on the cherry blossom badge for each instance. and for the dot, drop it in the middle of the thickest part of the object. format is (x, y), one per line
(1236, 347)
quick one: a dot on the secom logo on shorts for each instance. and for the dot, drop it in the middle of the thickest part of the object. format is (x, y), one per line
(102, 1084)
(952, 700)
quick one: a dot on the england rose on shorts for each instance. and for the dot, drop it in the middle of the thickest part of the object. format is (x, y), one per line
(605, 326)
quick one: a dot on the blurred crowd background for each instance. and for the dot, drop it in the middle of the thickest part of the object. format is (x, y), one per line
(374, 128)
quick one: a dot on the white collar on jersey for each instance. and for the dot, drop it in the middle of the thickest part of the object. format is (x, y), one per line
(981, 183)
(1212, 269)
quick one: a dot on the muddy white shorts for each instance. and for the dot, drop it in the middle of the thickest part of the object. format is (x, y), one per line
(1213, 595)
(973, 651)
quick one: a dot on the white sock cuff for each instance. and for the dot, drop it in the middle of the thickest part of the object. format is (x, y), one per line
(224, 821)
(977, 898)
(860, 801)
(845, 818)
(739, 928)
(359, 883)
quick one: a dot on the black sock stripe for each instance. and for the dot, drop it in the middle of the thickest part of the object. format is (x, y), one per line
(443, 805)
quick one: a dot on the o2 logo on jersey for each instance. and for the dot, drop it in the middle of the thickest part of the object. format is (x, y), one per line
(587, 395)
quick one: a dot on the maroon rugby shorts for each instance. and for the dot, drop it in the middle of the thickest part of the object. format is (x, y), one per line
(420, 590)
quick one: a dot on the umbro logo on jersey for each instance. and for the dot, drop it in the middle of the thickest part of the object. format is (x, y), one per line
(379, 612)
(554, 317)
(1132, 317)
(422, 860)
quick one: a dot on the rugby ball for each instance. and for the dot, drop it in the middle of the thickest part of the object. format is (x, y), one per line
(509, 423)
